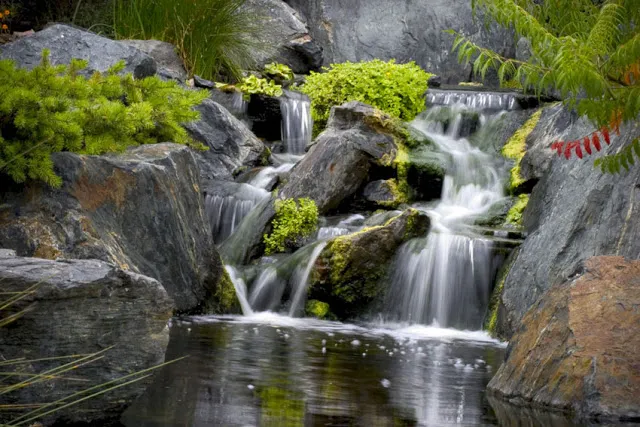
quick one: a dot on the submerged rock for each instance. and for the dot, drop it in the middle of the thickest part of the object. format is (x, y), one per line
(78, 307)
(577, 347)
(66, 43)
(231, 143)
(141, 210)
(169, 64)
(350, 270)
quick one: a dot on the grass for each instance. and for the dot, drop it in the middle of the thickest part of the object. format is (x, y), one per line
(215, 38)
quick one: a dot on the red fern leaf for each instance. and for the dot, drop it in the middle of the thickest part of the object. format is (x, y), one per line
(578, 150)
(558, 146)
(605, 134)
(570, 146)
(596, 142)
(587, 144)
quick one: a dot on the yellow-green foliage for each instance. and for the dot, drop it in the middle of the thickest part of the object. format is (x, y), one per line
(396, 89)
(514, 216)
(317, 309)
(53, 108)
(399, 192)
(516, 148)
(225, 295)
(278, 71)
(253, 85)
(292, 221)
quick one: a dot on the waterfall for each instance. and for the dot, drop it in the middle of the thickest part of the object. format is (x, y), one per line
(475, 100)
(297, 125)
(241, 290)
(445, 278)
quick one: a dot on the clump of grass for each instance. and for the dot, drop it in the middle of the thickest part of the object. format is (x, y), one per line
(215, 38)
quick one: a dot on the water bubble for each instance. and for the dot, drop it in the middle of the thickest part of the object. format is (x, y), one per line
(324, 342)
(324, 350)
(251, 387)
(355, 343)
(385, 383)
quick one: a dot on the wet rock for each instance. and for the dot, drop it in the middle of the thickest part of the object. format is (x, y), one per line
(497, 213)
(574, 212)
(577, 347)
(359, 30)
(265, 116)
(384, 193)
(141, 210)
(203, 83)
(65, 43)
(350, 270)
(287, 39)
(231, 143)
(79, 307)
(170, 66)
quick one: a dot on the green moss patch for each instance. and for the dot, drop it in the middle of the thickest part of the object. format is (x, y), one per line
(514, 216)
(293, 221)
(516, 148)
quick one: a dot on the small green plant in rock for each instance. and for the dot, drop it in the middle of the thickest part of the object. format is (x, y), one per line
(514, 216)
(396, 89)
(292, 222)
(253, 85)
(54, 108)
(278, 71)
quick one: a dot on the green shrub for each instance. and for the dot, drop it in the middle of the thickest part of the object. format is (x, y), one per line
(397, 89)
(253, 85)
(278, 71)
(293, 221)
(214, 37)
(52, 108)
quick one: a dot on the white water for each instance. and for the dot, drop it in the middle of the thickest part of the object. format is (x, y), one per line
(475, 100)
(297, 125)
(445, 278)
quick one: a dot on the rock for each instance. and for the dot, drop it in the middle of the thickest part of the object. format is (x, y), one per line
(384, 193)
(79, 307)
(170, 66)
(574, 212)
(577, 347)
(405, 30)
(65, 43)
(266, 117)
(350, 270)
(203, 83)
(356, 142)
(523, 49)
(497, 213)
(434, 81)
(287, 40)
(141, 210)
(231, 143)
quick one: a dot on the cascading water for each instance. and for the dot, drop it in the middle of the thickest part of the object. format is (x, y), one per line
(297, 125)
(445, 278)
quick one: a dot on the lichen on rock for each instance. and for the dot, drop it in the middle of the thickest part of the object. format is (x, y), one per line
(516, 148)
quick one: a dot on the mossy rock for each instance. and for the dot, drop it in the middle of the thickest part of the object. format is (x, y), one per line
(350, 271)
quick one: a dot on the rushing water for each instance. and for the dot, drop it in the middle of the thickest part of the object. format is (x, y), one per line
(297, 125)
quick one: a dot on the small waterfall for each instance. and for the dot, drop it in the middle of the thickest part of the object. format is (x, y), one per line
(226, 206)
(297, 125)
(266, 177)
(241, 290)
(445, 278)
(475, 100)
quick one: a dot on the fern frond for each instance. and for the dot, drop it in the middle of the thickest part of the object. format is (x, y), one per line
(624, 159)
(605, 33)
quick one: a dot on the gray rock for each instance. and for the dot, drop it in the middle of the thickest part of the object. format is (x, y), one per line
(231, 143)
(169, 64)
(523, 49)
(286, 40)
(575, 212)
(203, 83)
(80, 307)
(67, 43)
(383, 193)
(141, 210)
(405, 30)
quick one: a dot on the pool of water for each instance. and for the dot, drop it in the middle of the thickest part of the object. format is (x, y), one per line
(271, 370)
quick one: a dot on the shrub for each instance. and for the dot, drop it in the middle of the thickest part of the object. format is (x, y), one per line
(279, 72)
(214, 37)
(292, 222)
(53, 108)
(253, 85)
(397, 89)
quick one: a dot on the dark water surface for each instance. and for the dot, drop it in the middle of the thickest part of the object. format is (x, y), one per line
(270, 370)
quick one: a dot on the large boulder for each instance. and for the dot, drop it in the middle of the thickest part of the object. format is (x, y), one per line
(141, 210)
(170, 66)
(231, 143)
(350, 271)
(66, 43)
(74, 308)
(577, 347)
(405, 30)
(358, 140)
(575, 211)
(286, 38)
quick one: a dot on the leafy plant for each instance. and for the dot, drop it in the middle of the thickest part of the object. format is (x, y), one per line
(54, 108)
(397, 89)
(586, 51)
(293, 221)
(215, 38)
(278, 71)
(253, 85)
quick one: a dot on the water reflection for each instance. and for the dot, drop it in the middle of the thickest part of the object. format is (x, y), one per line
(301, 372)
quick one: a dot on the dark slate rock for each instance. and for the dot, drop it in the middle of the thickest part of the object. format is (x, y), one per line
(405, 30)
(141, 210)
(381, 192)
(287, 39)
(203, 83)
(66, 43)
(266, 117)
(170, 66)
(575, 212)
(80, 307)
(231, 143)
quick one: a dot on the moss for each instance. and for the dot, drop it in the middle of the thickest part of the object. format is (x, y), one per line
(413, 227)
(294, 220)
(264, 157)
(398, 193)
(470, 84)
(317, 309)
(225, 295)
(514, 216)
(516, 148)
(491, 321)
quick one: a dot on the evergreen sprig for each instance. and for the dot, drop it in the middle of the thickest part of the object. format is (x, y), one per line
(53, 108)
